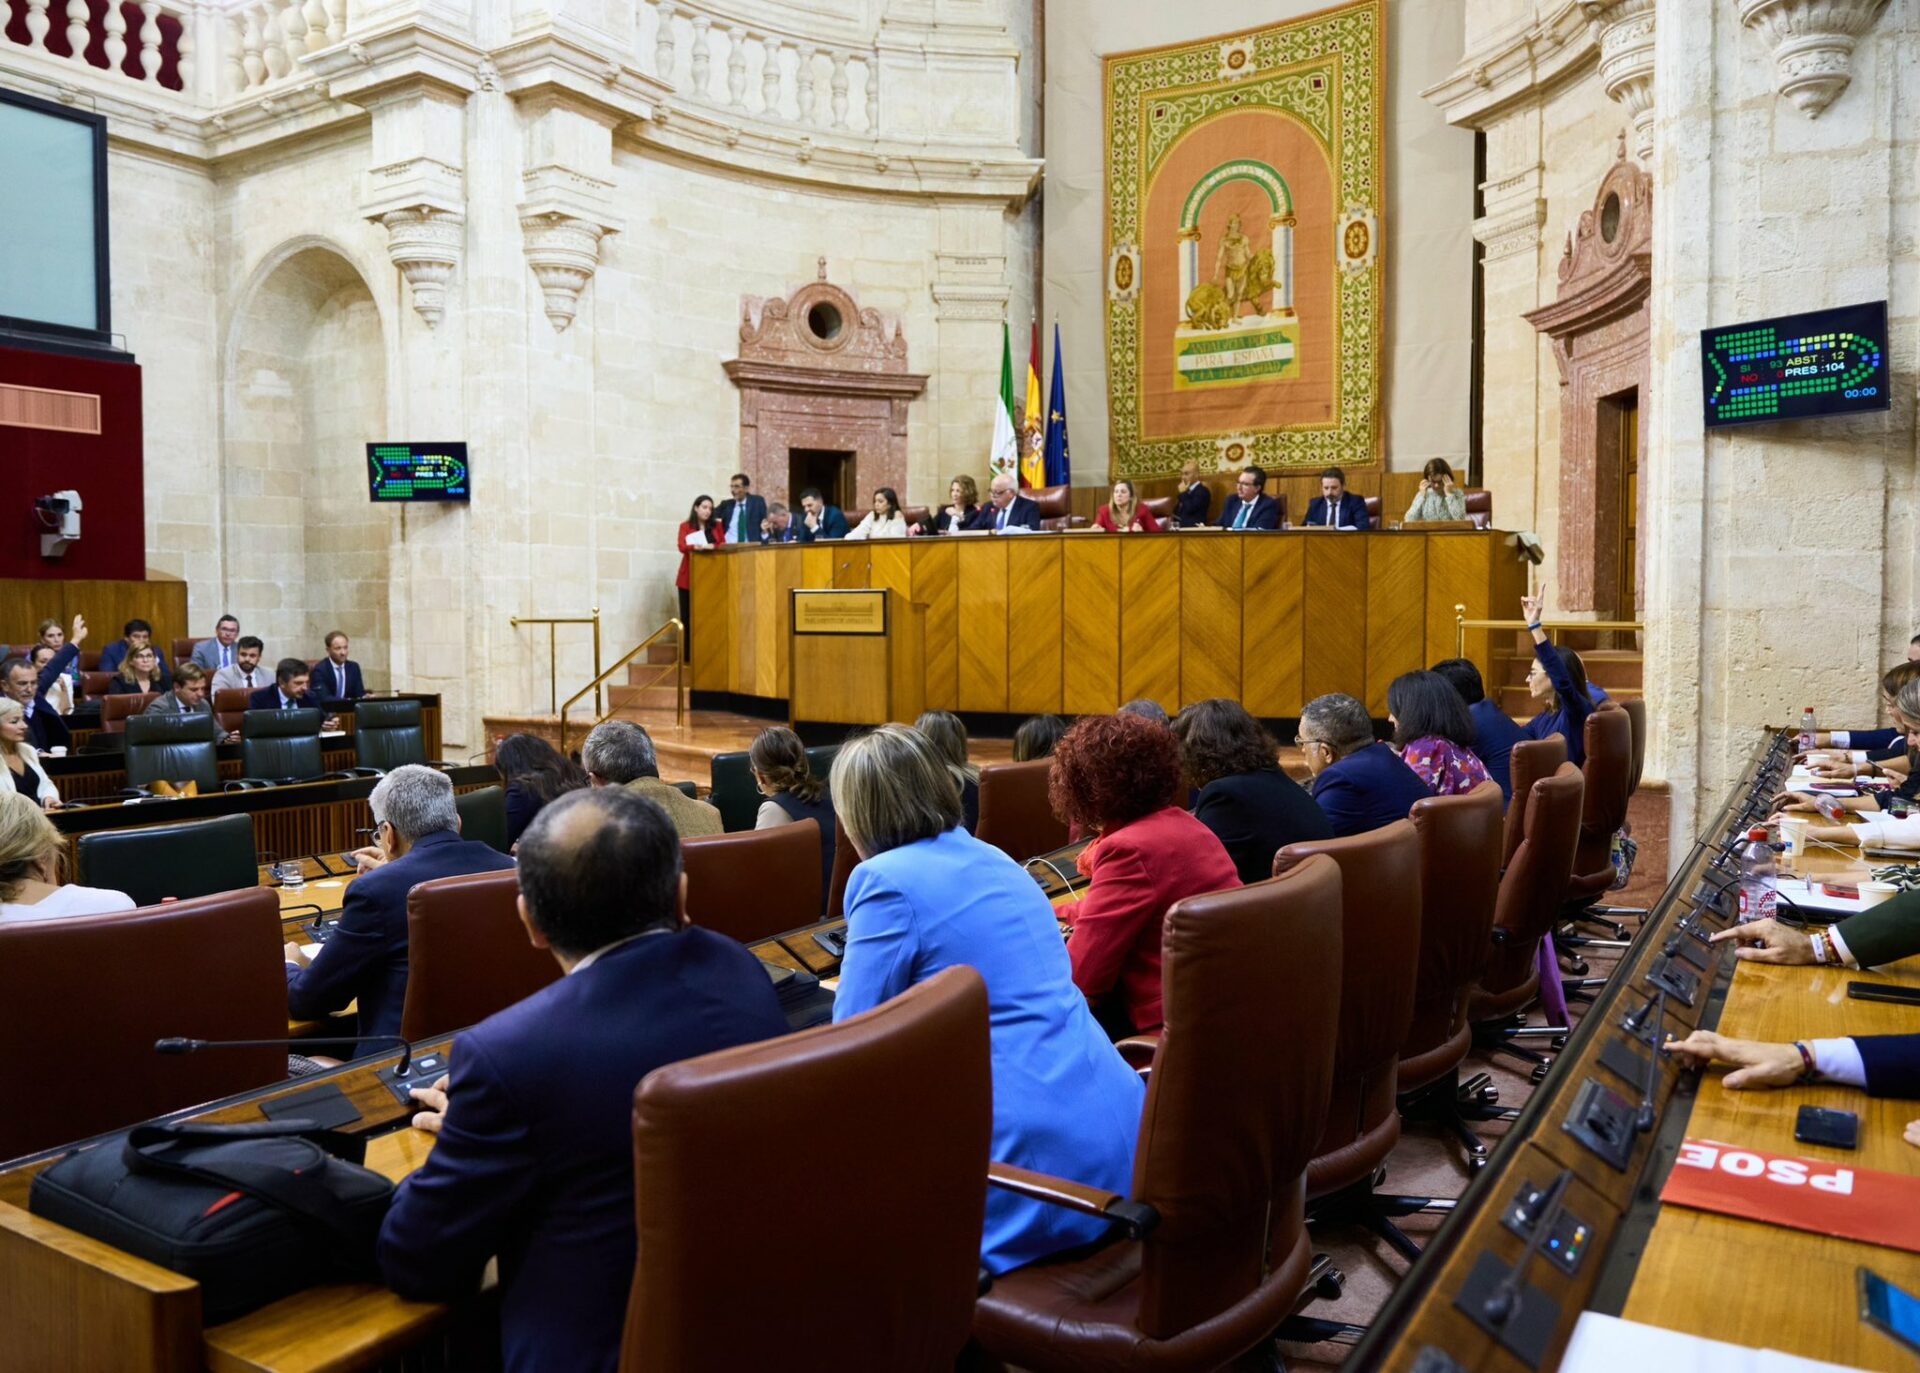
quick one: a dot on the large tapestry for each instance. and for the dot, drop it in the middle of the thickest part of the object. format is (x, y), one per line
(1244, 277)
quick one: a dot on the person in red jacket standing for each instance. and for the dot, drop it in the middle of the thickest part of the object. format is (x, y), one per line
(1120, 774)
(705, 530)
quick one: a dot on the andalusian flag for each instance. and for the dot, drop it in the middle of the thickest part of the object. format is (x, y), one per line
(1004, 457)
(1033, 438)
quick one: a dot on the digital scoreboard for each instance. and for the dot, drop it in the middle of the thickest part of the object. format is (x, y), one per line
(418, 472)
(1826, 362)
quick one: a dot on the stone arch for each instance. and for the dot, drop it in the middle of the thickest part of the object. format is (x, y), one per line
(304, 389)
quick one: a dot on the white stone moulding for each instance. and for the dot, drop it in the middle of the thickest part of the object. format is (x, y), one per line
(424, 243)
(1812, 43)
(1626, 64)
(564, 252)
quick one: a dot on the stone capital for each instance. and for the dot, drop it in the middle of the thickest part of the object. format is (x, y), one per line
(425, 243)
(1812, 43)
(1626, 63)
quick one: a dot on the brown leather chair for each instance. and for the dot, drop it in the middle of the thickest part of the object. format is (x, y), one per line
(89, 660)
(1239, 1087)
(1530, 760)
(1160, 507)
(1373, 510)
(917, 515)
(114, 710)
(1636, 710)
(1015, 816)
(756, 883)
(1532, 891)
(1380, 923)
(1056, 507)
(95, 685)
(901, 1098)
(468, 955)
(230, 708)
(85, 998)
(1480, 508)
(1607, 770)
(845, 859)
(183, 649)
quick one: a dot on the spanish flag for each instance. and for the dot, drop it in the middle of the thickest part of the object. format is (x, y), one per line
(1033, 429)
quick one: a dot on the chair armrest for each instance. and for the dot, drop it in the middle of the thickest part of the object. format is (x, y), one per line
(1136, 1217)
(1138, 1050)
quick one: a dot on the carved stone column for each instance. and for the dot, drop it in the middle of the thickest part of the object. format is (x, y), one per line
(424, 242)
(1812, 43)
(1626, 63)
(564, 252)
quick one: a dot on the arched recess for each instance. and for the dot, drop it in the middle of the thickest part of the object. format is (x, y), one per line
(305, 391)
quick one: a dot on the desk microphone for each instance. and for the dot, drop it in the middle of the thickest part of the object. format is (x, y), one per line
(194, 1046)
(1650, 1088)
(1503, 1303)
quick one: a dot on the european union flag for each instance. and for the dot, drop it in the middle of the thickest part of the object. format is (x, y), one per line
(1059, 469)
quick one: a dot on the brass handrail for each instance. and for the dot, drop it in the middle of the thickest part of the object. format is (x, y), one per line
(679, 670)
(1461, 624)
(553, 659)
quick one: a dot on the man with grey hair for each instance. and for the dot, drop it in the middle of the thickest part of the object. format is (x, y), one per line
(1006, 508)
(620, 754)
(417, 836)
(1361, 784)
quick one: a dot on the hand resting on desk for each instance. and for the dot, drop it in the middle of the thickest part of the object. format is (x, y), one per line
(1755, 1064)
(1768, 941)
(434, 1098)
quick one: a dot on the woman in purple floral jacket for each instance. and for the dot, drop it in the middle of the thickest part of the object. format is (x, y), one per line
(1433, 732)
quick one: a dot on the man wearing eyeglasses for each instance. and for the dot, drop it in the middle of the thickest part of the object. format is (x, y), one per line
(1360, 783)
(1249, 507)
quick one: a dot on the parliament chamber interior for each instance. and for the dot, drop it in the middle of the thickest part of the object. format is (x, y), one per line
(1009, 685)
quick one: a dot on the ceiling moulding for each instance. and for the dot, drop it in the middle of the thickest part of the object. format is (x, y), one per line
(1517, 68)
(1812, 43)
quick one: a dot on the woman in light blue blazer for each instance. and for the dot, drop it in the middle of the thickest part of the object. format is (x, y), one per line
(928, 895)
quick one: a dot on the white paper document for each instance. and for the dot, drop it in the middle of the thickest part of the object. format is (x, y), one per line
(1607, 1344)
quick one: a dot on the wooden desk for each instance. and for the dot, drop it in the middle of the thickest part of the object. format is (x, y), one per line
(1079, 623)
(1739, 1281)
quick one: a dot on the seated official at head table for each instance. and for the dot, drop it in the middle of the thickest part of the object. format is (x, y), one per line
(1190, 511)
(1123, 513)
(417, 833)
(31, 854)
(217, 652)
(1120, 775)
(245, 674)
(22, 773)
(1252, 807)
(927, 896)
(1433, 734)
(1336, 507)
(534, 1157)
(1006, 509)
(618, 753)
(962, 508)
(1438, 498)
(1494, 732)
(884, 520)
(779, 526)
(1359, 783)
(818, 520)
(1249, 507)
(336, 677)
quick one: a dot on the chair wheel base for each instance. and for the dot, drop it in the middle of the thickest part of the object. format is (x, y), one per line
(1539, 1073)
(1330, 1285)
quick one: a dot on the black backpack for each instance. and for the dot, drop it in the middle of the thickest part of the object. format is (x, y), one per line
(250, 1212)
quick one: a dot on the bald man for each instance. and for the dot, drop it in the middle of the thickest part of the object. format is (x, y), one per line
(1006, 509)
(534, 1161)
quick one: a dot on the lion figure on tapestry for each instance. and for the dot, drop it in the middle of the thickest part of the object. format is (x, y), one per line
(1214, 307)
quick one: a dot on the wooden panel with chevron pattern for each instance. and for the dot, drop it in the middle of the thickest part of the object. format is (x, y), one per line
(786, 575)
(1272, 629)
(1034, 590)
(712, 579)
(1210, 621)
(1150, 619)
(983, 625)
(1091, 620)
(936, 585)
(1336, 615)
(1396, 614)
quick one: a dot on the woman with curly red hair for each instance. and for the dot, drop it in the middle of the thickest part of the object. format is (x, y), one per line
(1120, 775)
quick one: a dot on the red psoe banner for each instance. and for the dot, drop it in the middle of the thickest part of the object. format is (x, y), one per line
(1801, 1194)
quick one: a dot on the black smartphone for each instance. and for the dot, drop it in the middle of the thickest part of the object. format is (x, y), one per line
(1835, 1129)
(1884, 991)
(1889, 1310)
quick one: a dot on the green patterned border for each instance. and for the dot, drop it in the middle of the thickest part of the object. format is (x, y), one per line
(1347, 45)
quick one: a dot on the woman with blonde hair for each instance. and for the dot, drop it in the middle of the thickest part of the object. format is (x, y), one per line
(53, 637)
(1125, 514)
(141, 672)
(30, 886)
(22, 773)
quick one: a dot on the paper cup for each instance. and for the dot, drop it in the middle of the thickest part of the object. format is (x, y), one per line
(1793, 829)
(1873, 893)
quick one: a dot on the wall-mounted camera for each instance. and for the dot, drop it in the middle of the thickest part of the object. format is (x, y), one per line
(59, 513)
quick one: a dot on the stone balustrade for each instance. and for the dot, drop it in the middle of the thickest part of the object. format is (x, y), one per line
(266, 39)
(754, 69)
(152, 42)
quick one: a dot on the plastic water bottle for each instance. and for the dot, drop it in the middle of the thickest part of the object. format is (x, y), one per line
(1830, 808)
(1757, 881)
(1808, 729)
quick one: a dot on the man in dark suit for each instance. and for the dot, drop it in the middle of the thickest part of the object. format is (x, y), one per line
(534, 1160)
(1494, 732)
(336, 677)
(779, 526)
(1249, 507)
(821, 521)
(291, 678)
(138, 634)
(1196, 498)
(1336, 507)
(1361, 784)
(45, 729)
(417, 832)
(742, 513)
(1006, 508)
(1886, 1065)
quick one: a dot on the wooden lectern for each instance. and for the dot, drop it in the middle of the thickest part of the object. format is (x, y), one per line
(857, 657)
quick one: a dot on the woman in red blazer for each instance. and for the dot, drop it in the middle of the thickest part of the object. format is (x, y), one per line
(699, 520)
(1121, 775)
(1125, 514)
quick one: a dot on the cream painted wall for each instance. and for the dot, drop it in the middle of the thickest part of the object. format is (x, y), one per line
(1426, 229)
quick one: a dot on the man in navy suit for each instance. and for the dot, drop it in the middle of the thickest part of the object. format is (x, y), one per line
(1360, 784)
(1249, 507)
(1006, 508)
(336, 677)
(1494, 732)
(291, 678)
(418, 839)
(742, 513)
(1886, 1065)
(534, 1161)
(138, 634)
(821, 521)
(45, 728)
(1336, 507)
(779, 526)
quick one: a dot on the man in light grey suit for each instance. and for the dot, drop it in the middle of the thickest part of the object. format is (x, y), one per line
(188, 697)
(246, 673)
(217, 652)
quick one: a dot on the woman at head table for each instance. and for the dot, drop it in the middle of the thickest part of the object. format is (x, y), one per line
(1438, 498)
(884, 521)
(1123, 514)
